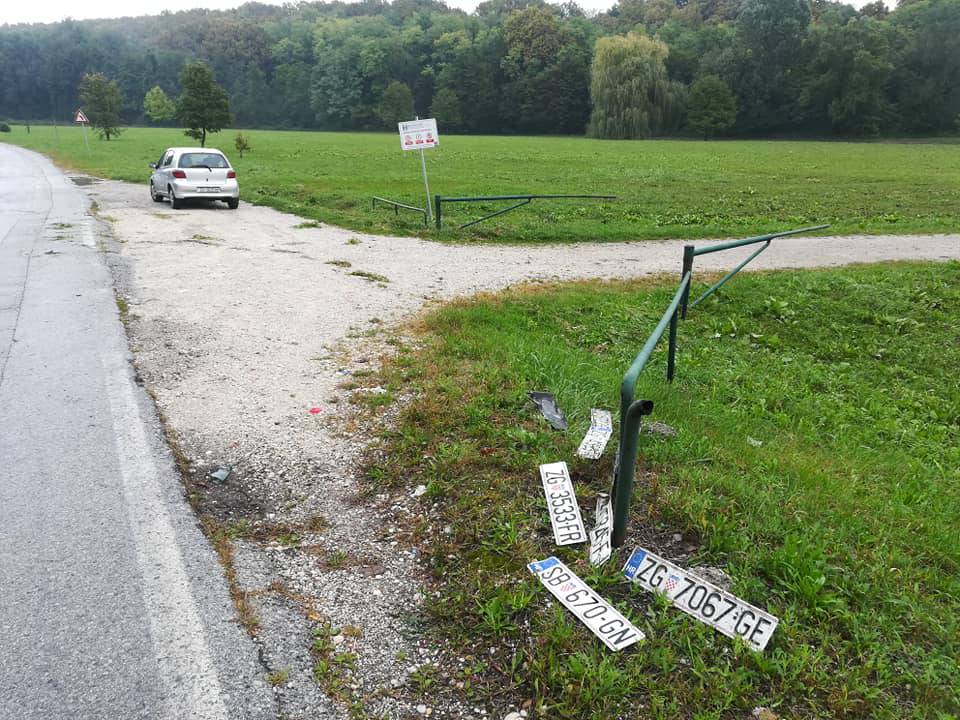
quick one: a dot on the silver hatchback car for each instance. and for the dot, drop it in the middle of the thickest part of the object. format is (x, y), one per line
(189, 173)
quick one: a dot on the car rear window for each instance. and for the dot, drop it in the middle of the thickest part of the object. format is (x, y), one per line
(203, 160)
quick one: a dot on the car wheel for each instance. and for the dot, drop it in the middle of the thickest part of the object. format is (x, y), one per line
(175, 202)
(154, 195)
(233, 203)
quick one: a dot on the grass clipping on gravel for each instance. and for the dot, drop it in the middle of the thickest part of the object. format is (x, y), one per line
(842, 520)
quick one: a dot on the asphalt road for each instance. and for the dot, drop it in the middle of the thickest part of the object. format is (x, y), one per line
(112, 603)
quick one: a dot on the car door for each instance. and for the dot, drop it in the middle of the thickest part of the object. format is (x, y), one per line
(161, 176)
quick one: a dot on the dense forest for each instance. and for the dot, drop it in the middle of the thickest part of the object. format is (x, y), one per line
(644, 67)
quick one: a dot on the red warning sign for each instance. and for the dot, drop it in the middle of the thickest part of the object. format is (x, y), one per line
(79, 117)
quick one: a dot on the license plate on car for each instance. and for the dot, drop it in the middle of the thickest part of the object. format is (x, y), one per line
(703, 600)
(208, 189)
(562, 504)
(604, 621)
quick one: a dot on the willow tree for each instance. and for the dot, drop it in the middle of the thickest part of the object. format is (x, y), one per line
(633, 96)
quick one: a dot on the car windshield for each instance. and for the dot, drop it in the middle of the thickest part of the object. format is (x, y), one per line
(203, 160)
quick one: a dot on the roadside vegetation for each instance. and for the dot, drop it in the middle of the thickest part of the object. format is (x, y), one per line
(666, 189)
(816, 460)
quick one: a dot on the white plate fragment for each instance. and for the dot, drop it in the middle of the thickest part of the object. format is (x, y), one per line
(594, 442)
(604, 621)
(600, 547)
(562, 504)
(701, 599)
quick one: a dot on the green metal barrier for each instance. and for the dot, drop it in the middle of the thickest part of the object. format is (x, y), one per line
(690, 252)
(632, 410)
(439, 200)
(398, 205)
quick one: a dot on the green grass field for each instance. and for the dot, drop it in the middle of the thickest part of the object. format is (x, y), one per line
(666, 188)
(817, 460)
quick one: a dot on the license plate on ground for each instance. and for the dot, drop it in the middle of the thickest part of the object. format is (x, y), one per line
(703, 600)
(562, 504)
(594, 442)
(604, 621)
(208, 189)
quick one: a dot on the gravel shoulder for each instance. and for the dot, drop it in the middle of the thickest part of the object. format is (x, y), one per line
(249, 330)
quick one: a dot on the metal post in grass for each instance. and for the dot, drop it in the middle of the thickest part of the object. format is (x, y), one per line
(687, 268)
(438, 200)
(426, 183)
(631, 412)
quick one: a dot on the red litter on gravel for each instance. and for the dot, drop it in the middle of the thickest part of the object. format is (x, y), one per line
(315, 411)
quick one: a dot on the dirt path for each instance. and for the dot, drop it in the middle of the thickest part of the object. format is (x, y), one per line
(246, 327)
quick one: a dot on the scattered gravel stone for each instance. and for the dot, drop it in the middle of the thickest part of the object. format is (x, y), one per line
(659, 428)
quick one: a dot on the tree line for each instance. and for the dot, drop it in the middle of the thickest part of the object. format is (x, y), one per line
(642, 68)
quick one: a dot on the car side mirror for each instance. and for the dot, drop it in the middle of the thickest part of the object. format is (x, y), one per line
(153, 165)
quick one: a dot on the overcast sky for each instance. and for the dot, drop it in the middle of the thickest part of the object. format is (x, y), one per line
(45, 11)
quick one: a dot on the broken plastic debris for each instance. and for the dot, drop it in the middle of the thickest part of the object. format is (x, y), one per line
(549, 409)
(420, 490)
(315, 411)
(221, 474)
(754, 441)
(343, 371)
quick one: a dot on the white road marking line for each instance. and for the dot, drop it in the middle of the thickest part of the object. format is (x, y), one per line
(183, 657)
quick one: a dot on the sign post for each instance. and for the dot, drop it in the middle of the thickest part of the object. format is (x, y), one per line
(81, 118)
(420, 135)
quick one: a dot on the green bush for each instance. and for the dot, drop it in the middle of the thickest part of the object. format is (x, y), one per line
(4, 127)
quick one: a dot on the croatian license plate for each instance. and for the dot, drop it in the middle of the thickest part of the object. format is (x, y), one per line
(208, 189)
(604, 621)
(562, 504)
(594, 442)
(703, 600)
(600, 548)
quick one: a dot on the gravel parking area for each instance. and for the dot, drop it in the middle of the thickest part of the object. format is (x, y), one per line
(249, 331)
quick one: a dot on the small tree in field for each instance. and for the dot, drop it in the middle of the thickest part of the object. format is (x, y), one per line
(712, 108)
(102, 102)
(202, 106)
(158, 106)
(396, 104)
(242, 143)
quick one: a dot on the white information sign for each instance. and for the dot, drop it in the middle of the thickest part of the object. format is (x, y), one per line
(594, 442)
(701, 599)
(564, 511)
(600, 547)
(604, 621)
(419, 134)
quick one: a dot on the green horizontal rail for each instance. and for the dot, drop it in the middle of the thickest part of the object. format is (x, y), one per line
(397, 205)
(751, 240)
(632, 410)
(440, 199)
(690, 252)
